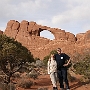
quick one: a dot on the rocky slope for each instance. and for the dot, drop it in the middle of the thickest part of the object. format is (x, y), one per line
(28, 33)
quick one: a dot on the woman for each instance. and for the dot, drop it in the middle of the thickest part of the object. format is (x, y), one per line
(52, 70)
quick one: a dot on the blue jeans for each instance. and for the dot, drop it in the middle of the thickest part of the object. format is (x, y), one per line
(62, 76)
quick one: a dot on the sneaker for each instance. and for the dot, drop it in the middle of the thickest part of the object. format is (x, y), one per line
(68, 89)
(55, 88)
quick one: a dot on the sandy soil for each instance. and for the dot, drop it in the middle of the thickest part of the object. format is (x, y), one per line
(43, 81)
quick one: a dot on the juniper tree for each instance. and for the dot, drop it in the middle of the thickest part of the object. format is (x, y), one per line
(12, 55)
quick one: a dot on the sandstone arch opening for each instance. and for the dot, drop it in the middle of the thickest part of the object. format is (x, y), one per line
(47, 34)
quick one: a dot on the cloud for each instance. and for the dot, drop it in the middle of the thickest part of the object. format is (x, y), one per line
(76, 14)
(21, 8)
(76, 17)
(70, 15)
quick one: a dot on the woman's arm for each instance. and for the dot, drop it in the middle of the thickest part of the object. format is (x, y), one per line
(48, 67)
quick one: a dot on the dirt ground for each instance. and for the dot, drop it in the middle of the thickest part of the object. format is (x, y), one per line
(43, 81)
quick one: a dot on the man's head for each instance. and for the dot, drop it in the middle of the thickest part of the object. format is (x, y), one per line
(58, 50)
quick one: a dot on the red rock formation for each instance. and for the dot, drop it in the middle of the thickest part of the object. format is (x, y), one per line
(28, 33)
(1, 32)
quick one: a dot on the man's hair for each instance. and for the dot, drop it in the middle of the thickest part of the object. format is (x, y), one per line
(58, 48)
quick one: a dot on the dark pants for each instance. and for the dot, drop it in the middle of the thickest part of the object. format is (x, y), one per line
(62, 76)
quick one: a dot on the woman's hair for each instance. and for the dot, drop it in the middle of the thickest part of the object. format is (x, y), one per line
(52, 55)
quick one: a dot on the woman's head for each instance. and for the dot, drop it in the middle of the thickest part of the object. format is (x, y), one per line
(52, 56)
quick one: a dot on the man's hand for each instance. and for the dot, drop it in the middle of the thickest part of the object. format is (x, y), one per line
(65, 65)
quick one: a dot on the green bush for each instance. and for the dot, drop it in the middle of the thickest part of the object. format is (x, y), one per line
(13, 55)
(45, 60)
(83, 67)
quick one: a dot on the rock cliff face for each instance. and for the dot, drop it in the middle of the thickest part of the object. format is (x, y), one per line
(1, 32)
(28, 33)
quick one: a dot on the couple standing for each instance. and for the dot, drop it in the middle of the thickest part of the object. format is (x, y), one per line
(57, 67)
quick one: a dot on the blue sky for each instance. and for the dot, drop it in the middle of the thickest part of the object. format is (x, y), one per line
(69, 15)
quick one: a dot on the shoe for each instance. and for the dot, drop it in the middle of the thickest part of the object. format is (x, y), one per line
(68, 89)
(55, 88)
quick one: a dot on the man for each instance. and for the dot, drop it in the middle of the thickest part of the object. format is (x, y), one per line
(61, 59)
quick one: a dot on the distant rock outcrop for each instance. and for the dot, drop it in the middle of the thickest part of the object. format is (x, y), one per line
(28, 33)
(1, 32)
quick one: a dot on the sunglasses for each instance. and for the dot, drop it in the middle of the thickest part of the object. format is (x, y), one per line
(58, 50)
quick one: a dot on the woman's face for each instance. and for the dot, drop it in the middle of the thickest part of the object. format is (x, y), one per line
(52, 56)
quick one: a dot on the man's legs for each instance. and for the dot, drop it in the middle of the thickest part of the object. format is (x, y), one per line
(59, 74)
(64, 74)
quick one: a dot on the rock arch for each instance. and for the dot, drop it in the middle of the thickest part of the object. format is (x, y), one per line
(28, 33)
(33, 29)
(46, 32)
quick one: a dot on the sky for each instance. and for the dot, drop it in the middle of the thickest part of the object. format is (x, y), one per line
(69, 15)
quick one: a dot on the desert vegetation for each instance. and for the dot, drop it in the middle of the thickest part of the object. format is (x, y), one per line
(18, 68)
(83, 67)
(17, 64)
(12, 58)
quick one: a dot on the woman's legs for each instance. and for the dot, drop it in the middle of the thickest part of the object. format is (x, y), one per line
(53, 77)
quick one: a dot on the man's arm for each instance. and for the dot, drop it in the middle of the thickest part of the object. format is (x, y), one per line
(67, 60)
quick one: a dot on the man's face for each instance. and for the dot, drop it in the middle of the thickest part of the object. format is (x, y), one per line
(58, 51)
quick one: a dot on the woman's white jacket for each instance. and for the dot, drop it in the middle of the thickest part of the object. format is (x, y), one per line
(52, 66)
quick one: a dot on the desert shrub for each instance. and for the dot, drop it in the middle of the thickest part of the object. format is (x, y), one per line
(42, 88)
(11, 86)
(83, 67)
(71, 78)
(39, 63)
(36, 58)
(45, 60)
(5, 86)
(26, 84)
(33, 74)
(1, 78)
(16, 75)
(31, 65)
(1, 72)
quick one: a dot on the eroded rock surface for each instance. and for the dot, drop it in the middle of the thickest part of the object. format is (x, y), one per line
(28, 33)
